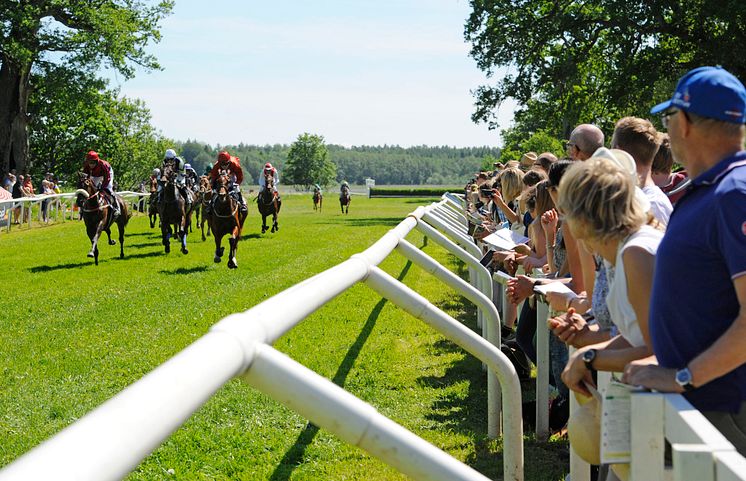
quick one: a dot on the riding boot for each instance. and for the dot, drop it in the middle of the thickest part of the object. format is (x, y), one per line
(242, 203)
(114, 207)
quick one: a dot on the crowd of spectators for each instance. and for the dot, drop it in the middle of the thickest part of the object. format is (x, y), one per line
(654, 257)
(22, 185)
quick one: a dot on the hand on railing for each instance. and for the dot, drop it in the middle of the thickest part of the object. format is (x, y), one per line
(576, 375)
(570, 328)
(647, 373)
(520, 289)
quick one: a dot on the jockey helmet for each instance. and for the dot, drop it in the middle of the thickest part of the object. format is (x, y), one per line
(224, 157)
(187, 166)
(268, 166)
(156, 171)
(170, 154)
(92, 156)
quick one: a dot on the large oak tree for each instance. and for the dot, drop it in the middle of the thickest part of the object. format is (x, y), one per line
(87, 35)
(573, 61)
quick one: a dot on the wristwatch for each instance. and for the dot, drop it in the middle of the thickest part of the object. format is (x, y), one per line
(684, 379)
(588, 357)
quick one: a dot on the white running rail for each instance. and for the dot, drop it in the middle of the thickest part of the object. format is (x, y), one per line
(110, 441)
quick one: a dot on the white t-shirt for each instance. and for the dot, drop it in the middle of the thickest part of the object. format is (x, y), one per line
(660, 206)
(622, 313)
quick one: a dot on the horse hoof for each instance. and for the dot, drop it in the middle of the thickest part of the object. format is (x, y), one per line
(168, 249)
(184, 250)
(112, 242)
(232, 264)
(216, 259)
(91, 254)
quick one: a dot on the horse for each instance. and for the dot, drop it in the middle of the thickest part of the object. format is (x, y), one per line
(205, 194)
(269, 203)
(97, 215)
(198, 194)
(172, 209)
(152, 203)
(226, 218)
(344, 199)
(318, 199)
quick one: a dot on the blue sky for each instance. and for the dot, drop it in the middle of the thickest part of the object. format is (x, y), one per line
(357, 72)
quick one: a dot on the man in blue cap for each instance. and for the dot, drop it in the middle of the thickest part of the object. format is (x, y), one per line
(698, 303)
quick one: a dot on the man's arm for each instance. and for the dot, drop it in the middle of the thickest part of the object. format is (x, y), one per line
(723, 356)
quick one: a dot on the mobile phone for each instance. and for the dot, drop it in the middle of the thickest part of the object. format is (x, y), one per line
(487, 259)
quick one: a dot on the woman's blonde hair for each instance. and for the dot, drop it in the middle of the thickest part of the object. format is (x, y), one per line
(600, 196)
(544, 201)
(511, 180)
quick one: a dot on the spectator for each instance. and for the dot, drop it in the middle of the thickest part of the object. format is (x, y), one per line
(545, 161)
(639, 138)
(47, 188)
(17, 193)
(527, 161)
(662, 166)
(506, 199)
(585, 139)
(598, 200)
(698, 306)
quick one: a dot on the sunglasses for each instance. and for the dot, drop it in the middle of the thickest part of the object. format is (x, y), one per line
(665, 116)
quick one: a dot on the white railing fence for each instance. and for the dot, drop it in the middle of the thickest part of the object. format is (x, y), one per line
(58, 206)
(111, 440)
(700, 452)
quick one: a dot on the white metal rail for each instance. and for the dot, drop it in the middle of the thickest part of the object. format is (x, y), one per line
(111, 440)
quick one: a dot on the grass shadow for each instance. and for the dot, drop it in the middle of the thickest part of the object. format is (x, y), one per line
(251, 236)
(294, 456)
(184, 270)
(140, 256)
(46, 268)
(141, 245)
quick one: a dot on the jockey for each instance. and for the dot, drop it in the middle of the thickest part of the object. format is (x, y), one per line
(233, 166)
(268, 172)
(317, 188)
(208, 169)
(344, 187)
(192, 178)
(177, 163)
(103, 178)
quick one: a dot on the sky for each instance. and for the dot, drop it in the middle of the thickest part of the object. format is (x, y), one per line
(358, 72)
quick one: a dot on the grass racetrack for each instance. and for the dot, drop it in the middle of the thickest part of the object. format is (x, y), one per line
(74, 335)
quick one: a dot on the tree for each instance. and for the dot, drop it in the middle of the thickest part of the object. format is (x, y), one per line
(86, 35)
(308, 162)
(572, 61)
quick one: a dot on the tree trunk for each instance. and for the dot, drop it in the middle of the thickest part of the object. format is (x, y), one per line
(14, 93)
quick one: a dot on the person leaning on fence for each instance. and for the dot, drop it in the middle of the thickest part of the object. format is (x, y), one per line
(639, 139)
(17, 193)
(698, 306)
(585, 139)
(662, 170)
(597, 198)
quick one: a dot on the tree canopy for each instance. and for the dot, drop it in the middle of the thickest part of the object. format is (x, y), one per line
(308, 162)
(82, 35)
(572, 61)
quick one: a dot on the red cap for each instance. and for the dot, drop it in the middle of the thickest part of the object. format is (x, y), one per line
(267, 166)
(92, 155)
(224, 156)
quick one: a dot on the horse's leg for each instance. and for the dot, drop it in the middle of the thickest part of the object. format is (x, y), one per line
(120, 226)
(233, 241)
(166, 235)
(218, 249)
(185, 221)
(96, 235)
(264, 223)
(202, 227)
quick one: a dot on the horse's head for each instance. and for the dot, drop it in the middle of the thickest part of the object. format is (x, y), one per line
(223, 183)
(169, 173)
(204, 184)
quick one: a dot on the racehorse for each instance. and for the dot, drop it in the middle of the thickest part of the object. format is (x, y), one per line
(97, 215)
(197, 196)
(152, 202)
(205, 195)
(226, 218)
(344, 199)
(269, 203)
(172, 209)
(318, 199)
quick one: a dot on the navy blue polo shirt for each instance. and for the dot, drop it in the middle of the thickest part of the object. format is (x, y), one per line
(693, 300)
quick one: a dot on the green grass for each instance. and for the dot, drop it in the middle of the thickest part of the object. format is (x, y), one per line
(73, 335)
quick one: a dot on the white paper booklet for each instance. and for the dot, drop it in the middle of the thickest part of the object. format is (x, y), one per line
(505, 239)
(615, 423)
(557, 287)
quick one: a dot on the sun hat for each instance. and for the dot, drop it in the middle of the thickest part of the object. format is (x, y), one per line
(710, 92)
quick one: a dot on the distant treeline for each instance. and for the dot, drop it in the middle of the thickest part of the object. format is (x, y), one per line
(421, 165)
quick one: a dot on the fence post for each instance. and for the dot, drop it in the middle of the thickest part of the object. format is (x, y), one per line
(647, 420)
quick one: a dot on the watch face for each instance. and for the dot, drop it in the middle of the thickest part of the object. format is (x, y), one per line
(589, 356)
(683, 377)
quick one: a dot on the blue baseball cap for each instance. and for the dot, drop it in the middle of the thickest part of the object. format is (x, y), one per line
(710, 92)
